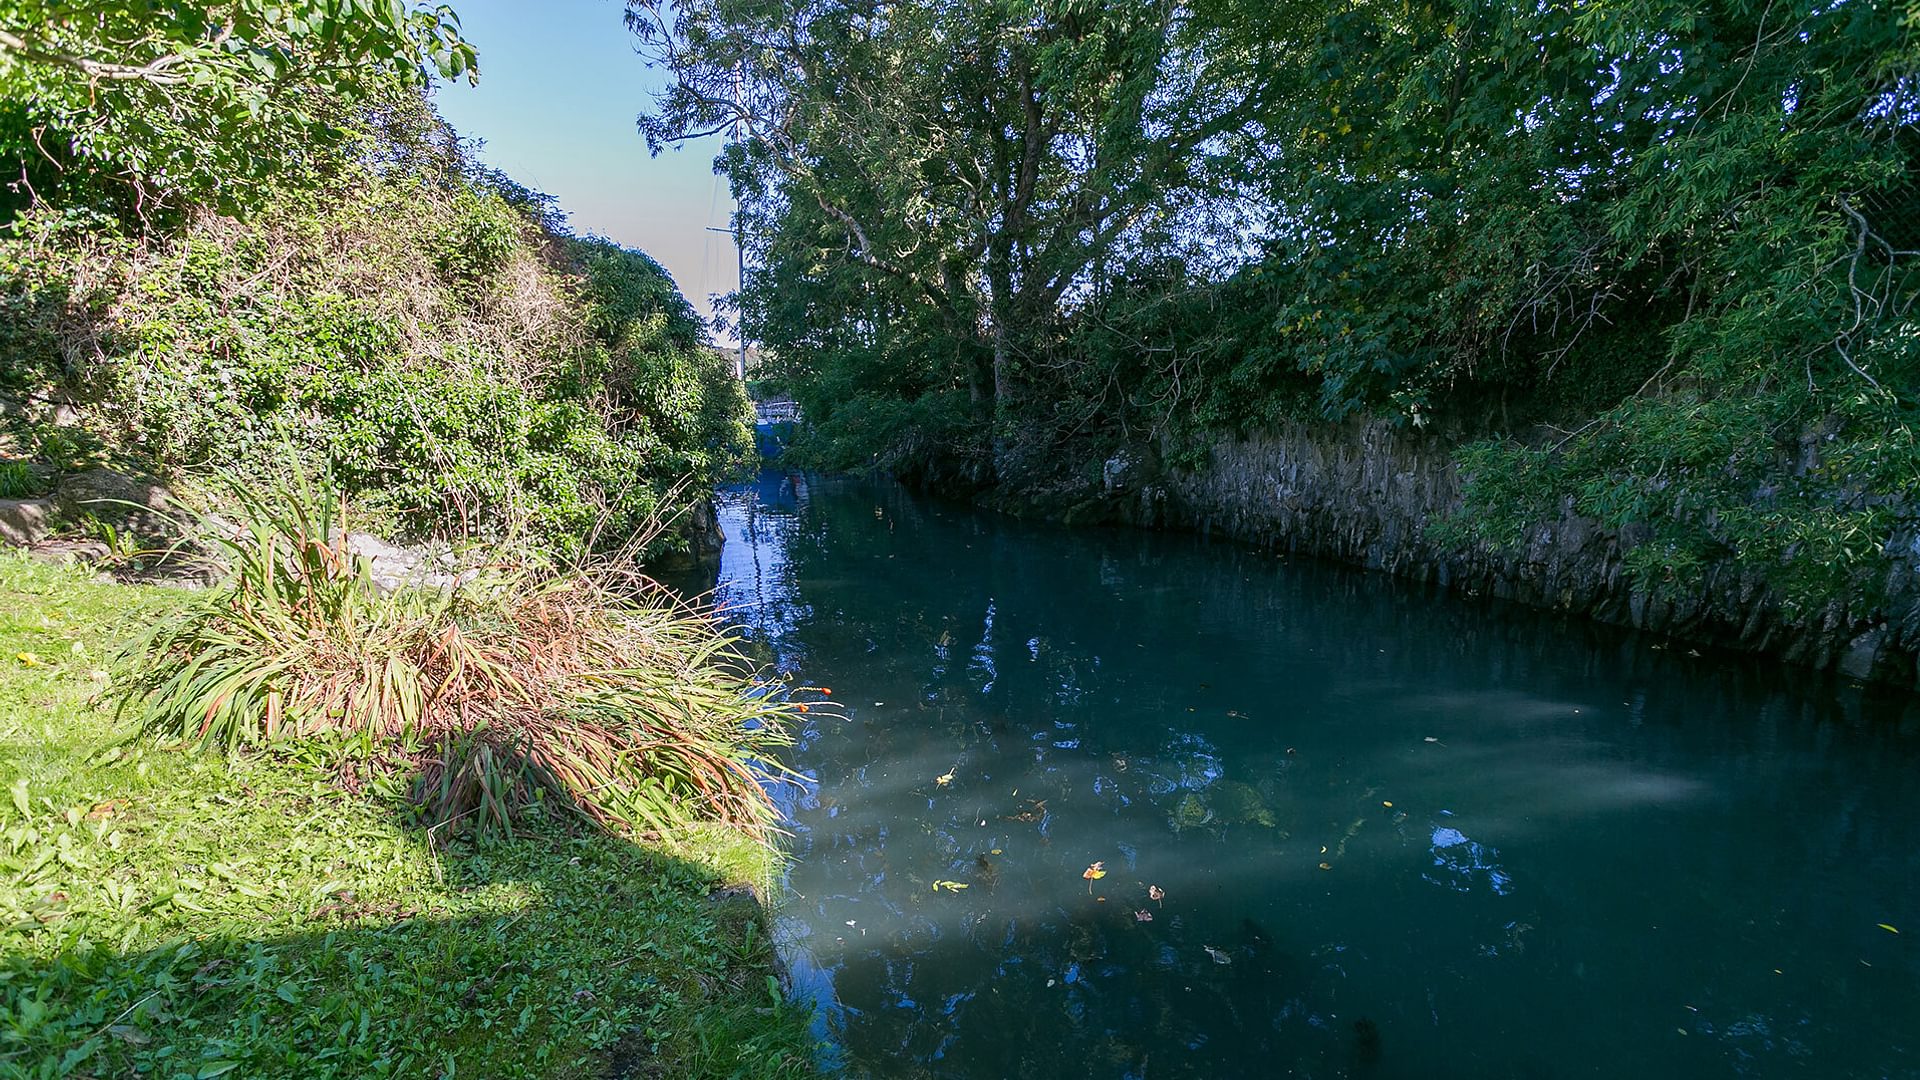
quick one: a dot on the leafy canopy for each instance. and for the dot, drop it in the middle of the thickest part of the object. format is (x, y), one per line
(1652, 260)
(199, 100)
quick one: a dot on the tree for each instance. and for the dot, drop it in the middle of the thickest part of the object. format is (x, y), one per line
(971, 164)
(196, 100)
(1658, 258)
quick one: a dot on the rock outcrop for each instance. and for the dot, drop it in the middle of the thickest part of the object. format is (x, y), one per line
(1365, 492)
(25, 522)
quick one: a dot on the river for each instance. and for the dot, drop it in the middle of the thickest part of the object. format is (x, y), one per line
(1108, 803)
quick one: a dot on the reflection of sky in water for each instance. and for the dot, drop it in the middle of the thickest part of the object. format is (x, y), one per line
(1265, 742)
(756, 591)
(983, 665)
(1460, 863)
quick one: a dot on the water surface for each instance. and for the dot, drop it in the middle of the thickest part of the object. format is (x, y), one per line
(1398, 834)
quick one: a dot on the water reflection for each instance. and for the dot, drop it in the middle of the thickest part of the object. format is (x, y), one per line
(1393, 835)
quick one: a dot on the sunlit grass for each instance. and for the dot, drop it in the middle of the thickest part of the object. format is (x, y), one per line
(181, 912)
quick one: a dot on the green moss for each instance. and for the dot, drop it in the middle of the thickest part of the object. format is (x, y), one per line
(1191, 813)
(173, 913)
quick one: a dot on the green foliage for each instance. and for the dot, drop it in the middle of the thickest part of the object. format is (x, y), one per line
(412, 324)
(134, 105)
(17, 480)
(166, 913)
(932, 183)
(1655, 260)
(506, 692)
(480, 240)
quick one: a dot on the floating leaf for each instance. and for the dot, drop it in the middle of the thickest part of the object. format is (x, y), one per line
(1143, 915)
(1038, 810)
(1094, 873)
(1218, 956)
(1326, 866)
(950, 886)
(946, 778)
(1156, 893)
(1887, 928)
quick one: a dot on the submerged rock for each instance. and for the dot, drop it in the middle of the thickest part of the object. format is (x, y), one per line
(1240, 804)
(1191, 813)
(1227, 802)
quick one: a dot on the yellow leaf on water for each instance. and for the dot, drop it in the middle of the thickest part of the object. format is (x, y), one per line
(950, 886)
(1887, 928)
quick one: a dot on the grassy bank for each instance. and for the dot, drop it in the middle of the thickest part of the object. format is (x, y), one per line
(179, 913)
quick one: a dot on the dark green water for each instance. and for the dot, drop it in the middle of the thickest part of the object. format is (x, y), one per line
(1399, 835)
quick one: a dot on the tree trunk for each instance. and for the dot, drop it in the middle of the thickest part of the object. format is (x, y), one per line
(1000, 330)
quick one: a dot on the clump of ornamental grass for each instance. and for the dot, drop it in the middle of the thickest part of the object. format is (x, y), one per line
(500, 691)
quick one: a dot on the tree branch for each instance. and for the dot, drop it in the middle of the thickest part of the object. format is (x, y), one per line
(159, 72)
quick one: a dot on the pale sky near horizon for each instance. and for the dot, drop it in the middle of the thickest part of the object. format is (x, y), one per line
(560, 88)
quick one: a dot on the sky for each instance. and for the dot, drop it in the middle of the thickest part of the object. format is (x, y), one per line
(560, 88)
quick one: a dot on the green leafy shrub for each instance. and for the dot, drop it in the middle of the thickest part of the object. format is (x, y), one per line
(412, 324)
(480, 240)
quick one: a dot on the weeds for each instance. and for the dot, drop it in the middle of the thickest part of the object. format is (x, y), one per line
(505, 692)
(122, 545)
(16, 480)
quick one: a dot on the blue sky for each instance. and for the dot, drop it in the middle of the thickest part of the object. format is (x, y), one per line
(560, 86)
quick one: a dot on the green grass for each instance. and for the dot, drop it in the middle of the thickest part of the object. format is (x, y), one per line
(179, 913)
(16, 480)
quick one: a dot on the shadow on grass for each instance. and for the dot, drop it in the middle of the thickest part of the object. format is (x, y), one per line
(554, 954)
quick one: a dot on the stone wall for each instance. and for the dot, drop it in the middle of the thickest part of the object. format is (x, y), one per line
(1363, 493)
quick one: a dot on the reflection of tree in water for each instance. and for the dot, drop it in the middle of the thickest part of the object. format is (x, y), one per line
(1062, 683)
(1122, 1000)
(994, 680)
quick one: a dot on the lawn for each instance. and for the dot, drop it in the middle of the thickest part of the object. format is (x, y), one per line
(172, 912)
